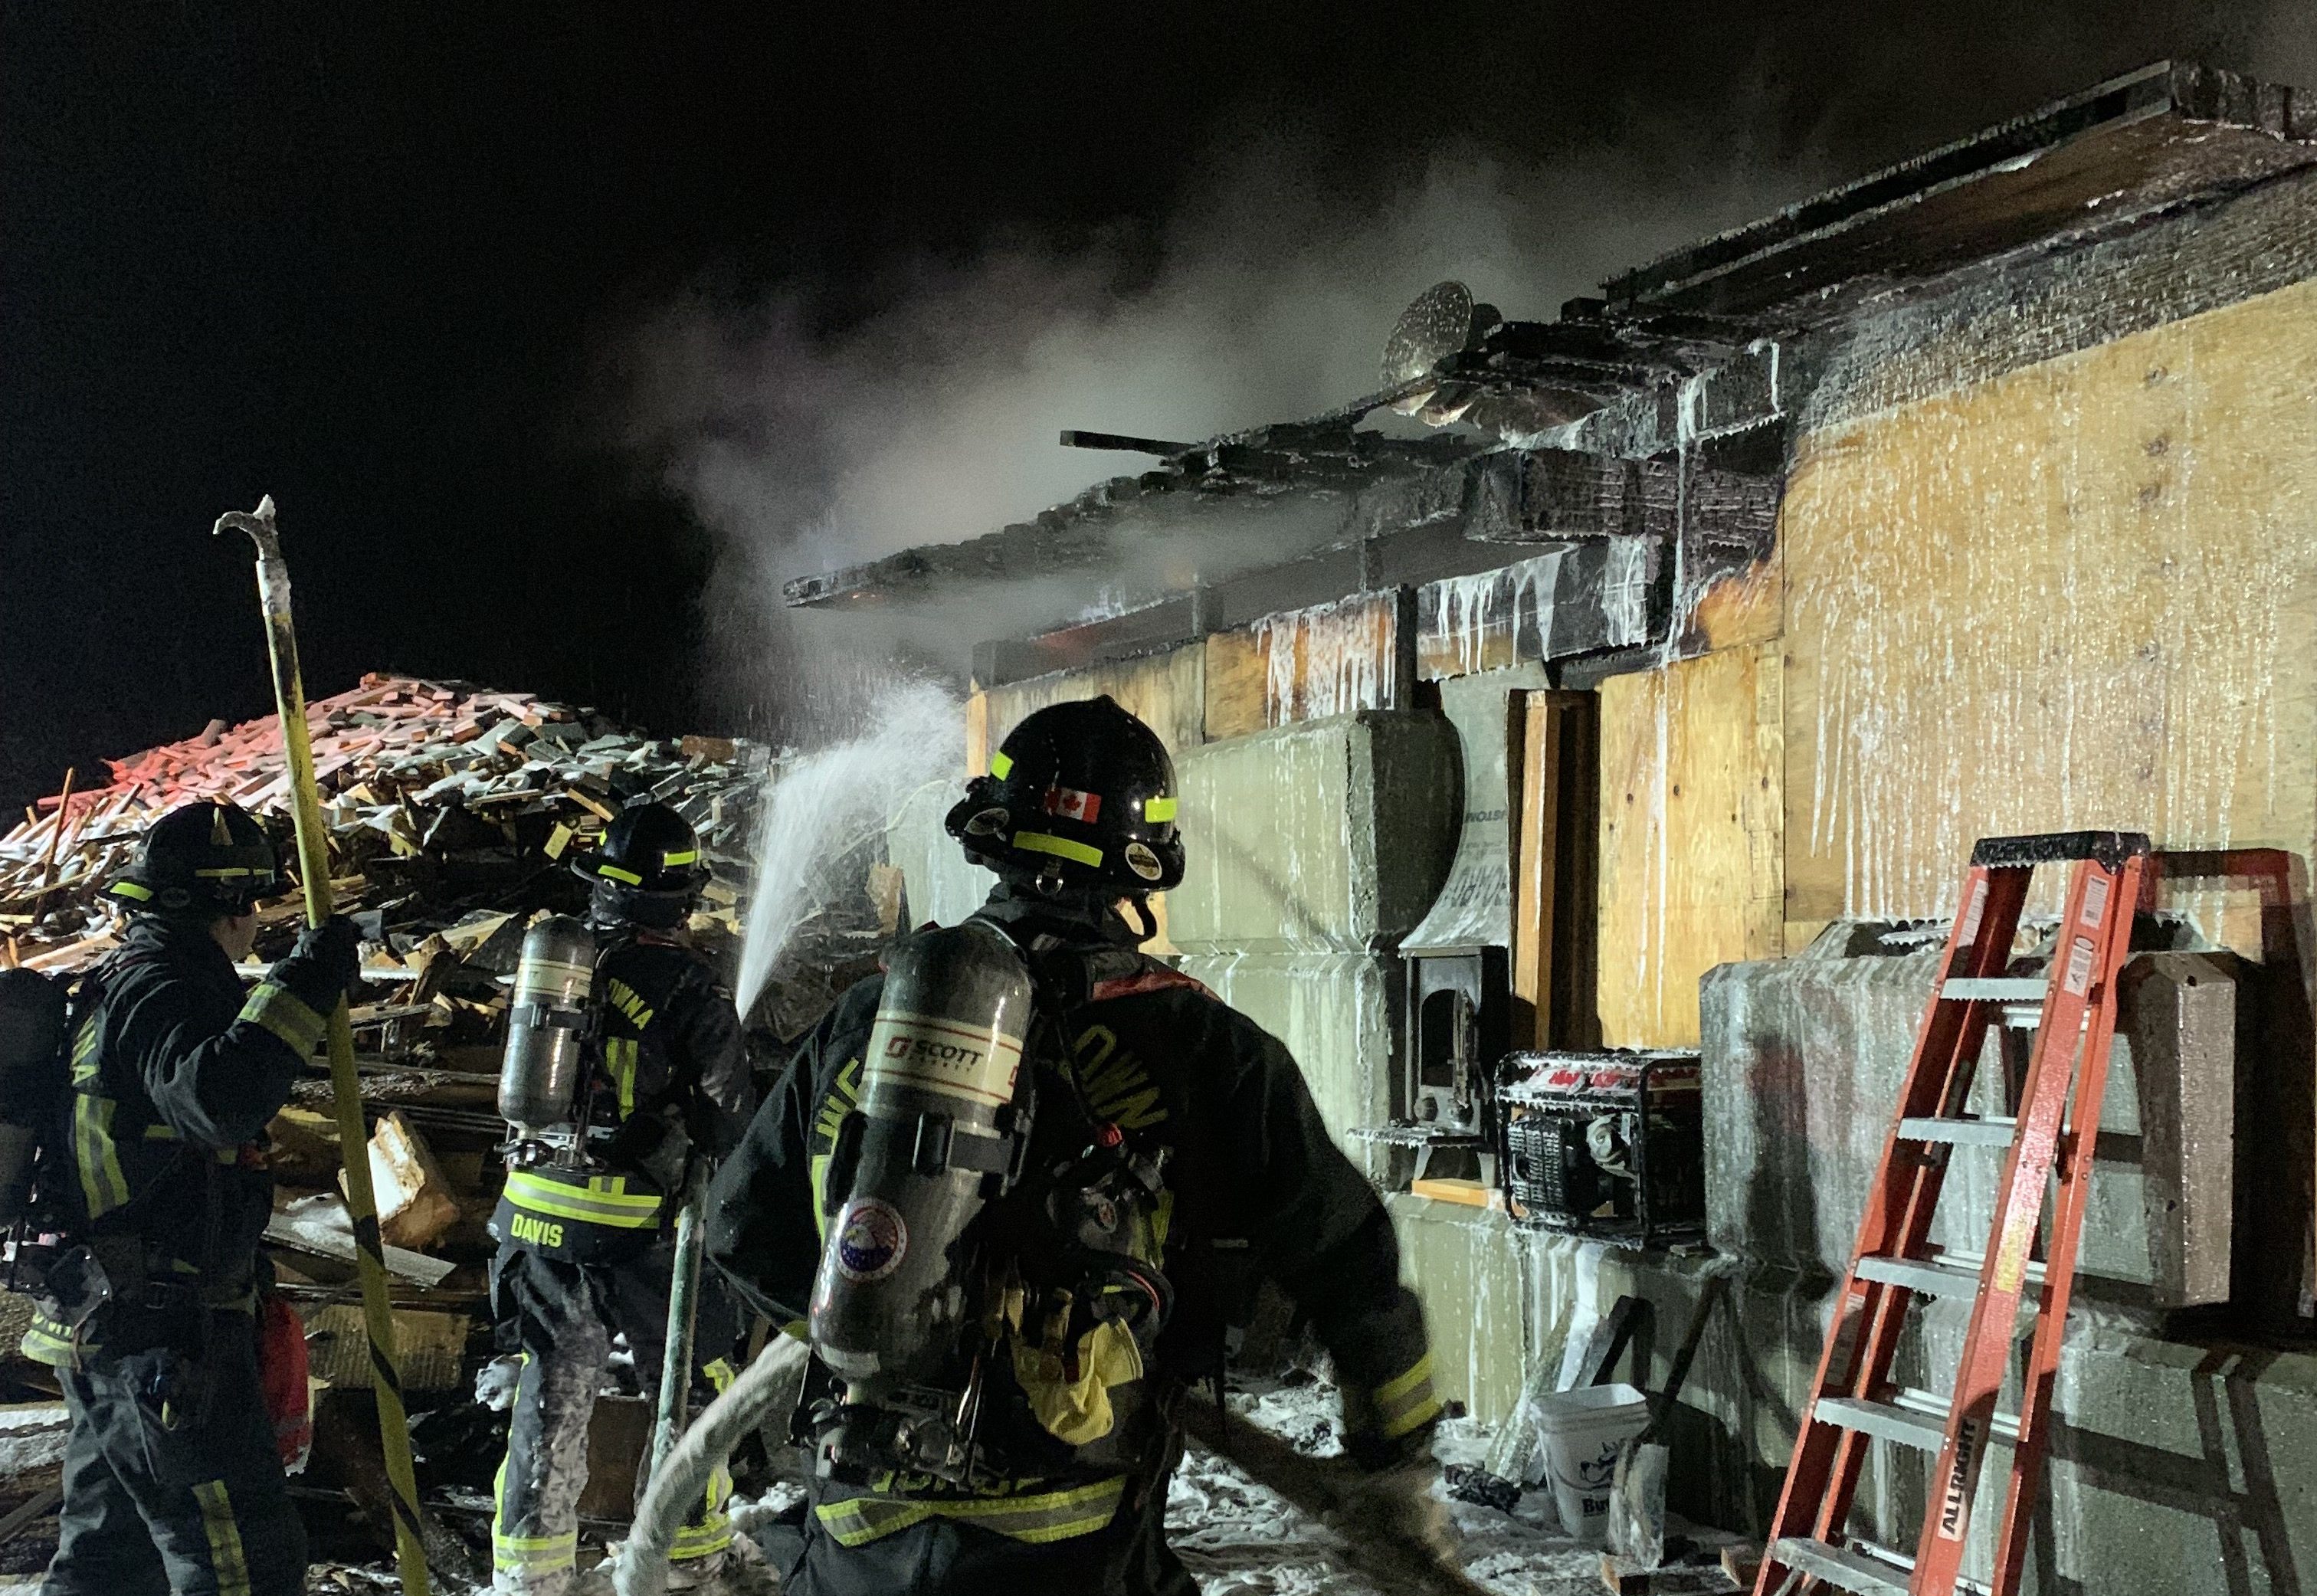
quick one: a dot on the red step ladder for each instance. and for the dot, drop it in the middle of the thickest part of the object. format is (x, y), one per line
(1854, 1401)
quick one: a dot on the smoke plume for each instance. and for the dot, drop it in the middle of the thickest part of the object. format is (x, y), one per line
(934, 419)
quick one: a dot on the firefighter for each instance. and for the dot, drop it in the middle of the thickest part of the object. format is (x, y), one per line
(172, 1478)
(583, 1257)
(1225, 1164)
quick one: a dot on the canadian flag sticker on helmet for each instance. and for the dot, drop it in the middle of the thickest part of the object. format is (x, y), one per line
(1143, 861)
(1071, 804)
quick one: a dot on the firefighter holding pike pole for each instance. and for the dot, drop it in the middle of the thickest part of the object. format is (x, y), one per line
(172, 1478)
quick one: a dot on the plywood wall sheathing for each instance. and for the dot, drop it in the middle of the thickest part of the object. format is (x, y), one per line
(1168, 691)
(1303, 665)
(1692, 816)
(2081, 594)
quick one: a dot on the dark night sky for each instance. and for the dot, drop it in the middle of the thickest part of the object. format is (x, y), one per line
(367, 259)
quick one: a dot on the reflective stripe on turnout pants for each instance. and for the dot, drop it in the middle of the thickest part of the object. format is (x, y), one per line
(561, 1317)
(198, 1506)
(944, 1555)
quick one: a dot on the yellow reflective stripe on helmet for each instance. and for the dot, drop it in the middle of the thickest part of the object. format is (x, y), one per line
(1061, 847)
(613, 873)
(1403, 1404)
(285, 1014)
(1157, 808)
(226, 1564)
(223, 871)
(102, 1186)
(132, 891)
(1035, 1519)
(690, 856)
(604, 1200)
(1001, 765)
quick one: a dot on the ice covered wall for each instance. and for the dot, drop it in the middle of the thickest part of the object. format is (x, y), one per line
(2081, 594)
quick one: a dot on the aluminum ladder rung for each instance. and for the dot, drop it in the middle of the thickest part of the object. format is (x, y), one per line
(1858, 1567)
(1994, 988)
(1950, 1274)
(1916, 1419)
(1992, 1130)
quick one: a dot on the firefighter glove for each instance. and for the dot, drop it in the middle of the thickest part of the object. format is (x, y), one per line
(325, 964)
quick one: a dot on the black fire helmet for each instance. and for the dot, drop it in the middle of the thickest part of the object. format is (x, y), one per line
(202, 859)
(1079, 793)
(648, 868)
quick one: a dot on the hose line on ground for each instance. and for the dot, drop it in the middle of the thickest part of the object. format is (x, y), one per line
(681, 1479)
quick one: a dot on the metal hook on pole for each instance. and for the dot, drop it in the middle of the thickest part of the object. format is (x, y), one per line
(353, 1135)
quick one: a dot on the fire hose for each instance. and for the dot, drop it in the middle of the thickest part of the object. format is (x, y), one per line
(345, 1088)
(1323, 1487)
(680, 1479)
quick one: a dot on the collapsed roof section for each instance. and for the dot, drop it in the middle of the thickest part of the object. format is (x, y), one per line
(1671, 382)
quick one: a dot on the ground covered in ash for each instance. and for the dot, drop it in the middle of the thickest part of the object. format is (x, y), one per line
(1238, 1539)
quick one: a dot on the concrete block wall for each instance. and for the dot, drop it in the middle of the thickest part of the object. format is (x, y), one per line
(1322, 835)
(1805, 1056)
(1312, 850)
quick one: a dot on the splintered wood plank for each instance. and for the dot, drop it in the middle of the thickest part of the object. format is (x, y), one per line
(2081, 594)
(1691, 844)
(1303, 665)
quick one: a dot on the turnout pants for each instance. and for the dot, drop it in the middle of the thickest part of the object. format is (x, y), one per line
(172, 1481)
(563, 1316)
(956, 1556)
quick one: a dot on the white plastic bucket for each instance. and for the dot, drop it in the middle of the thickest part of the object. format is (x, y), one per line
(1582, 1431)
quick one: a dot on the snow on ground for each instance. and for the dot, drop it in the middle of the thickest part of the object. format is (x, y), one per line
(1238, 1539)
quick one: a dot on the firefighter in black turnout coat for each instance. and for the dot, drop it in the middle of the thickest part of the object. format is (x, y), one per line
(1167, 1120)
(172, 1478)
(584, 1256)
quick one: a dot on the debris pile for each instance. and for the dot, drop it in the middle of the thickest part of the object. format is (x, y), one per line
(440, 798)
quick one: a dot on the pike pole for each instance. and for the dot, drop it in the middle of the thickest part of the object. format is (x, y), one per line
(353, 1135)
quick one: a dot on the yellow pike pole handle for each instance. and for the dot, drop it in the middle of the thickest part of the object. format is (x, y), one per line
(345, 1087)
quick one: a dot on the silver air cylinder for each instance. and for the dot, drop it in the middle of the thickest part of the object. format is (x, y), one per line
(936, 1138)
(32, 1079)
(546, 1062)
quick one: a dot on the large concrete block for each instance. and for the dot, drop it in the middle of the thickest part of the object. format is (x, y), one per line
(942, 885)
(1804, 1060)
(1336, 1013)
(1324, 835)
(2176, 1470)
(1466, 1265)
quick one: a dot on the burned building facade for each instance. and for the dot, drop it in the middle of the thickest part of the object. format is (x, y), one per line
(1651, 698)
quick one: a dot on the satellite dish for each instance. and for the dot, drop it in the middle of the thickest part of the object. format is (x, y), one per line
(1442, 321)
(1431, 329)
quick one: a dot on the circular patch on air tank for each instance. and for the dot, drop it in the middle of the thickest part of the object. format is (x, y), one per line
(1143, 861)
(988, 822)
(871, 1239)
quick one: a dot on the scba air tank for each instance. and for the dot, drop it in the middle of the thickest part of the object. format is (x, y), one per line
(546, 1059)
(937, 1134)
